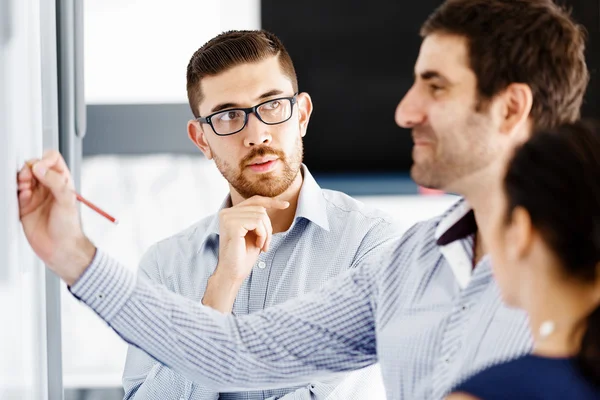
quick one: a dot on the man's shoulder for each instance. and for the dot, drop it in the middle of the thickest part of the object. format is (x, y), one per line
(174, 255)
(187, 241)
(345, 206)
(417, 239)
(349, 209)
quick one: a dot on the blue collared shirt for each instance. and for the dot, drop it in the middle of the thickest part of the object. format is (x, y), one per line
(420, 310)
(330, 233)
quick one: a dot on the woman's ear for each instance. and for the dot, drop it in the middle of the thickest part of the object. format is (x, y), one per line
(520, 235)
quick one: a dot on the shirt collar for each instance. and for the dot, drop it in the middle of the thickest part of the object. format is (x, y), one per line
(456, 223)
(311, 204)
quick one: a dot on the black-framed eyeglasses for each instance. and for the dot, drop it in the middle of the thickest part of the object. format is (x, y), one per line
(271, 112)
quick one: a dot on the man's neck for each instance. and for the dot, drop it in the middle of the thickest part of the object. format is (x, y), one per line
(478, 250)
(479, 200)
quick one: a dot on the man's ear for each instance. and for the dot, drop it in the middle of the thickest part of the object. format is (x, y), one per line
(305, 108)
(196, 135)
(517, 101)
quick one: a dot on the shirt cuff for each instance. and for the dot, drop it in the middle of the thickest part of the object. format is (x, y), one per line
(105, 286)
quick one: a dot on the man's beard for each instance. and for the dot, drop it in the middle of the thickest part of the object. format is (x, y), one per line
(446, 164)
(270, 184)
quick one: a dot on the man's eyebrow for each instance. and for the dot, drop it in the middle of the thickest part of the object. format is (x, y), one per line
(223, 106)
(429, 74)
(270, 93)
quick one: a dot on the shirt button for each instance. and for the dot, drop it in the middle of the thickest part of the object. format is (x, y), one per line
(100, 296)
(262, 264)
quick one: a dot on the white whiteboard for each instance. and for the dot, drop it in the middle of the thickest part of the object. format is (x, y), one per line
(22, 284)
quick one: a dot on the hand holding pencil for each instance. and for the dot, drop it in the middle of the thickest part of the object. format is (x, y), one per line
(88, 203)
(50, 217)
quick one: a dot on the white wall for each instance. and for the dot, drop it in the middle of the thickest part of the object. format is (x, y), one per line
(137, 51)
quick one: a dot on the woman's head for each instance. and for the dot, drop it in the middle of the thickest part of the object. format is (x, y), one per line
(545, 229)
(551, 192)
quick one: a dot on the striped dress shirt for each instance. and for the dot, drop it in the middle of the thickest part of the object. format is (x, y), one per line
(419, 309)
(324, 220)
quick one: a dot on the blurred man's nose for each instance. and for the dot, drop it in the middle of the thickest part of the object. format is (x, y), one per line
(410, 111)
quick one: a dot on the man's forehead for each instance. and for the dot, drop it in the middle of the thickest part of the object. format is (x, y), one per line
(245, 83)
(445, 54)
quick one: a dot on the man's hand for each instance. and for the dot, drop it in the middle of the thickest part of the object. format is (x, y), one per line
(244, 231)
(50, 218)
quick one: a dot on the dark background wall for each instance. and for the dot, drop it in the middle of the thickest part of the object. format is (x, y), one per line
(356, 60)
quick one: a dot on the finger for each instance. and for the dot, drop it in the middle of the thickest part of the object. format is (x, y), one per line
(255, 225)
(242, 210)
(264, 240)
(233, 218)
(24, 186)
(269, 228)
(234, 215)
(237, 214)
(25, 173)
(248, 208)
(24, 198)
(267, 202)
(52, 159)
(261, 234)
(58, 183)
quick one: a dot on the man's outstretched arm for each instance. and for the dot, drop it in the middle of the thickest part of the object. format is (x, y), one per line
(309, 337)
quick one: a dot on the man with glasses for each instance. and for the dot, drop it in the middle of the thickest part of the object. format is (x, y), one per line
(250, 119)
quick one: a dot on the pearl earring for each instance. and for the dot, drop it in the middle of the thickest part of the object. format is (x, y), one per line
(546, 329)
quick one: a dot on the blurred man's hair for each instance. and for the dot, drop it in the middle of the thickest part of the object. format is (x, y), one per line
(527, 41)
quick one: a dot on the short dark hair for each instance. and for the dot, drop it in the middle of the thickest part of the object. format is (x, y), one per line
(527, 41)
(555, 176)
(230, 49)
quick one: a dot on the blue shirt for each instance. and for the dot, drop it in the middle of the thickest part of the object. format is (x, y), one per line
(331, 232)
(419, 309)
(533, 378)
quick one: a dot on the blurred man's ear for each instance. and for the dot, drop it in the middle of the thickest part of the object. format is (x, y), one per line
(517, 103)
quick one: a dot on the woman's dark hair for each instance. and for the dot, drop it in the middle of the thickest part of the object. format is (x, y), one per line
(555, 176)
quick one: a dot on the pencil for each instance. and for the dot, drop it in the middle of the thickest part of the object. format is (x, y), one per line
(89, 204)
(97, 209)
